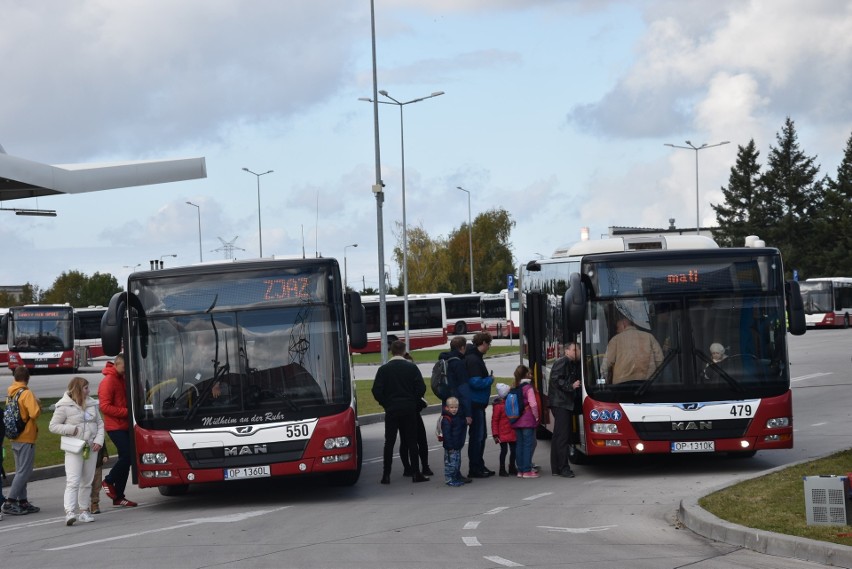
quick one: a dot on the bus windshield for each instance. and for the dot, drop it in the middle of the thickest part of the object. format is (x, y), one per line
(42, 331)
(273, 350)
(817, 297)
(700, 331)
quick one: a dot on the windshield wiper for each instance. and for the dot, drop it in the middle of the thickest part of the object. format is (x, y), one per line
(733, 383)
(647, 383)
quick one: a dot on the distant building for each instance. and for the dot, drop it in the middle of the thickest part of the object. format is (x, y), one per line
(15, 291)
(618, 231)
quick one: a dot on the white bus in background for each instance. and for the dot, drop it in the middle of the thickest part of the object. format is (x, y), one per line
(828, 301)
(500, 313)
(463, 313)
(426, 321)
(4, 345)
(87, 331)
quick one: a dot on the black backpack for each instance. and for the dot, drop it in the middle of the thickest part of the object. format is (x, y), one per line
(440, 384)
(13, 425)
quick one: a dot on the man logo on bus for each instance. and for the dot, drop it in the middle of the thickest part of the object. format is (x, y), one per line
(245, 450)
(691, 425)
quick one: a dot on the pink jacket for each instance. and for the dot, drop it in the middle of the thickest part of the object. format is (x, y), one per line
(529, 420)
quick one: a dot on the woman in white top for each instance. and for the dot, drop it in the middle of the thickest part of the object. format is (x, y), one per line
(77, 415)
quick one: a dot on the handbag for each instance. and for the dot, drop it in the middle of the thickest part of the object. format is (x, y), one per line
(71, 444)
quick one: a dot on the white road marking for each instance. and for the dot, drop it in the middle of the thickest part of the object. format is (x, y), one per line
(502, 561)
(495, 511)
(811, 376)
(819, 424)
(577, 530)
(537, 496)
(191, 522)
(471, 525)
(471, 541)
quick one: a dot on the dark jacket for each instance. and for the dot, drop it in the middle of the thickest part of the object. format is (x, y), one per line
(560, 392)
(453, 429)
(399, 386)
(475, 366)
(457, 379)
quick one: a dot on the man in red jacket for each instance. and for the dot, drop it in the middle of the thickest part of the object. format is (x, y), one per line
(112, 398)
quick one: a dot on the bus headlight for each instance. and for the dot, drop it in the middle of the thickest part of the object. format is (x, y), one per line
(778, 422)
(336, 442)
(605, 428)
(154, 458)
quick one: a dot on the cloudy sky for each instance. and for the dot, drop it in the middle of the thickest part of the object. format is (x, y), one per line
(556, 110)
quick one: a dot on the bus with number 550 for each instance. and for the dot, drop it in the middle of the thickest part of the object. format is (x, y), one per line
(239, 370)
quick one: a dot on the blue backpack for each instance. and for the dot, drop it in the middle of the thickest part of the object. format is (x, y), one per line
(12, 422)
(514, 404)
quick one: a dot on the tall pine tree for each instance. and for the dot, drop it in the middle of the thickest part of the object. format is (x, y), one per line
(834, 225)
(743, 212)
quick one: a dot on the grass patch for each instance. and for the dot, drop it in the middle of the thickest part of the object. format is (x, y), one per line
(776, 502)
(431, 354)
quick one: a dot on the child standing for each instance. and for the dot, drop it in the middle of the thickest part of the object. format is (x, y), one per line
(453, 427)
(502, 430)
(525, 426)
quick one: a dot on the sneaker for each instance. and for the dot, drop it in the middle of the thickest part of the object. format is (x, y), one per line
(532, 474)
(427, 471)
(520, 474)
(124, 503)
(455, 483)
(110, 490)
(567, 473)
(85, 518)
(70, 518)
(30, 509)
(13, 509)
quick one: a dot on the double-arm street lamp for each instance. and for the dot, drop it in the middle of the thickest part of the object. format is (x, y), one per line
(345, 270)
(259, 229)
(401, 104)
(696, 149)
(469, 236)
(198, 207)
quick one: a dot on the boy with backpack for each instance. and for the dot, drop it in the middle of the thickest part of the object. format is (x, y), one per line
(452, 431)
(502, 431)
(23, 445)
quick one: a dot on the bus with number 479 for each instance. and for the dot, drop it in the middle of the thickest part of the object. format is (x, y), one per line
(681, 294)
(239, 370)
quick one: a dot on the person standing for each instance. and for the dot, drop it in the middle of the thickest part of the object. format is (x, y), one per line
(479, 383)
(452, 431)
(77, 416)
(502, 431)
(23, 447)
(399, 388)
(526, 425)
(98, 479)
(632, 354)
(562, 393)
(422, 441)
(112, 397)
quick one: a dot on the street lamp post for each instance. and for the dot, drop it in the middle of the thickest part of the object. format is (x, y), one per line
(696, 149)
(345, 270)
(259, 229)
(198, 207)
(469, 236)
(166, 255)
(401, 104)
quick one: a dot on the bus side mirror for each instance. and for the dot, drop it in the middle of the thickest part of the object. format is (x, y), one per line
(357, 322)
(111, 324)
(795, 308)
(574, 305)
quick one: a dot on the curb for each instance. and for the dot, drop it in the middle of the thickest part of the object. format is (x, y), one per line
(705, 524)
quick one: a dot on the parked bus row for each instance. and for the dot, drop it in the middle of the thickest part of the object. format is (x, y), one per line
(432, 318)
(50, 336)
(828, 301)
(679, 295)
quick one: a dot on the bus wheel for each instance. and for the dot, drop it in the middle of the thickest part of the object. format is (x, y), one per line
(845, 321)
(350, 477)
(461, 328)
(176, 490)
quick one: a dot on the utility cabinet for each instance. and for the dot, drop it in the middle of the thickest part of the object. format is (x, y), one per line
(827, 500)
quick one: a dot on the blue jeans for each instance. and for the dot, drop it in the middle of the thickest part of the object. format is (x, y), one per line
(476, 441)
(452, 463)
(524, 448)
(121, 469)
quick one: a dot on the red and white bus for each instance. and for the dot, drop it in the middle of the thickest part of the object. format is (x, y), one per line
(500, 314)
(688, 293)
(87, 329)
(828, 301)
(41, 336)
(239, 370)
(463, 313)
(4, 346)
(426, 318)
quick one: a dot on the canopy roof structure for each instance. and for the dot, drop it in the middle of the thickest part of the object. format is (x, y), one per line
(20, 178)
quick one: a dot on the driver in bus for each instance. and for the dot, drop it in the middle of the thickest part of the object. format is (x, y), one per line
(632, 354)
